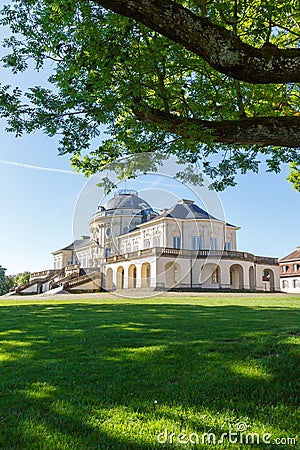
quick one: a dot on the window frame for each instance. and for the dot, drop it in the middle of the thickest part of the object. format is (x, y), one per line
(213, 243)
(197, 242)
(177, 242)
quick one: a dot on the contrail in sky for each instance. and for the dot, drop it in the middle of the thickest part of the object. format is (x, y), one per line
(30, 166)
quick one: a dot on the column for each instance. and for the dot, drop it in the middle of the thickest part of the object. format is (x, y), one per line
(138, 275)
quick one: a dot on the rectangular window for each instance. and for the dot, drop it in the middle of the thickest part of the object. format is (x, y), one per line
(213, 243)
(156, 242)
(176, 242)
(227, 246)
(146, 243)
(197, 242)
(285, 269)
(70, 262)
(285, 284)
(296, 283)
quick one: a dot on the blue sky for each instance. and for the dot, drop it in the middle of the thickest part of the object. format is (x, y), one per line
(37, 205)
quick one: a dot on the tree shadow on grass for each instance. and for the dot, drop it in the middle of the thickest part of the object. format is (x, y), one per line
(112, 376)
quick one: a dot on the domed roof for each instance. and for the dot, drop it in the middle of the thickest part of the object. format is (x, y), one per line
(127, 199)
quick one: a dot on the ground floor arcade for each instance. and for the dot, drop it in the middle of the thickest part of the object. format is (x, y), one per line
(188, 271)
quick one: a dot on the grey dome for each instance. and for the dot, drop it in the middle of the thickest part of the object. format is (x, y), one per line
(127, 199)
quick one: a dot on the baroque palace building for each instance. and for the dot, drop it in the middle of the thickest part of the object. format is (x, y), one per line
(130, 246)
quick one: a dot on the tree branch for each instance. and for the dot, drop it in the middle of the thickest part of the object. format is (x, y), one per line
(223, 51)
(262, 131)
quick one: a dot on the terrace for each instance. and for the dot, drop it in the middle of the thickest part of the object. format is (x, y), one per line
(194, 254)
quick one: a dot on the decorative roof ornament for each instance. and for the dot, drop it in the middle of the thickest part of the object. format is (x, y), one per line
(126, 192)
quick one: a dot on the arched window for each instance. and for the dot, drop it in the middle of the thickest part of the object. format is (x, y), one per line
(266, 275)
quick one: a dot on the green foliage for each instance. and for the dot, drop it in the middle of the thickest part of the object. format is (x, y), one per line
(22, 278)
(113, 373)
(10, 282)
(7, 282)
(3, 286)
(101, 62)
(294, 176)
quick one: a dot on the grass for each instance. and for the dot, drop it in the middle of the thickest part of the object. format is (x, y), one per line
(114, 373)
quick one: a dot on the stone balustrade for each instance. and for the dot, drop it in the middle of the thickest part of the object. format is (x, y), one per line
(194, 254)
(42, 274)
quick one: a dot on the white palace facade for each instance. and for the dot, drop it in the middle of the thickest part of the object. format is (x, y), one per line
(132, 247)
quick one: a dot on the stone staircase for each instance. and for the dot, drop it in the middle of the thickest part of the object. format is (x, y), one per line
(92, 280)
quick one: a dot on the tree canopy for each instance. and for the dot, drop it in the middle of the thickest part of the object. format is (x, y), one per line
(8, 282)
(3, 288)
(214, 82)
(22, 278)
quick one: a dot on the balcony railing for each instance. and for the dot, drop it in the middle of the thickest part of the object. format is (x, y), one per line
(42, 274)
(193, 254)
(72, 267)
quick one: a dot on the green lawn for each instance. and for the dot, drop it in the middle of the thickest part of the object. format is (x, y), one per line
(114, 373)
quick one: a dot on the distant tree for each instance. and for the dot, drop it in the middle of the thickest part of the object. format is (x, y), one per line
(294, 176)
(22, 278)
(10, 281)
(3, 287)
(213, 82)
